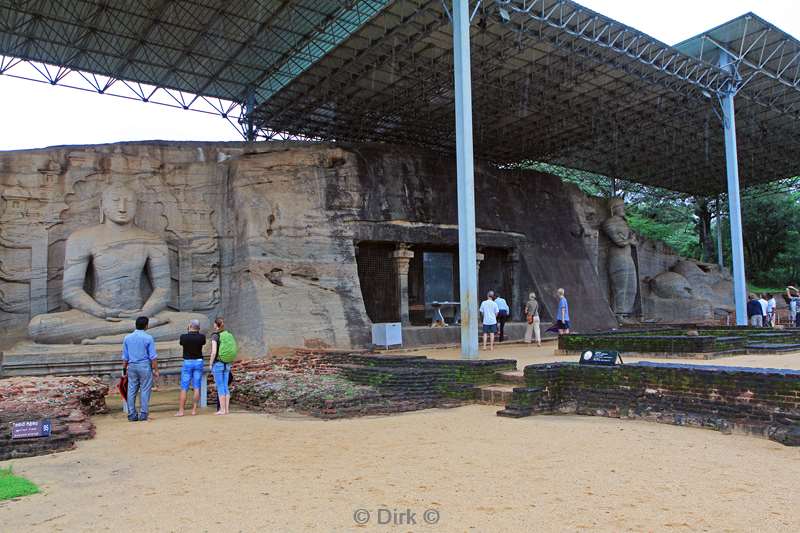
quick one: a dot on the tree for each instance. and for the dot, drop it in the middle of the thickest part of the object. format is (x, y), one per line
(770, 223)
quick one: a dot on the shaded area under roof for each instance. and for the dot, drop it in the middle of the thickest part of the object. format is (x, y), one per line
(552, 80)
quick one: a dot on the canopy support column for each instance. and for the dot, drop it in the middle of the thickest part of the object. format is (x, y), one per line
(734, 201)
(467, 245)
(719, 235)
(249, 108)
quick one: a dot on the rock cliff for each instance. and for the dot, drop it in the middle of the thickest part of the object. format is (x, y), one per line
(267, 235)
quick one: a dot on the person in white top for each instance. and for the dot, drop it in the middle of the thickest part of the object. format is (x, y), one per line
(489, 311)
(771, 310)
(763, 301)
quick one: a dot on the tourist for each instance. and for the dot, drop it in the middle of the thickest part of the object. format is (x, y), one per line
(754, 312)
(792, 296)
(220, 368)
(502, 316)
(771, 310)
(140, 364)
(489, 312)
(192, 370)
(562, 315)
(763, 301)
(532, 316)
(794, 305)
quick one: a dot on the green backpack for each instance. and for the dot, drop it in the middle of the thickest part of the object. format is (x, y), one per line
(227, 347)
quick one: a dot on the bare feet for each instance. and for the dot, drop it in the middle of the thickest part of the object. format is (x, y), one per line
(180, 413)
(194, 411)
(219, 413)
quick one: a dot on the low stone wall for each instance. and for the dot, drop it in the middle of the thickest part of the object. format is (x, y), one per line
(763, 402)
(67, 402)
(665, 344)
(378, 384)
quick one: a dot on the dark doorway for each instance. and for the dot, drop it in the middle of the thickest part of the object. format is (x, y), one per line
(494, 274)
(376, 273)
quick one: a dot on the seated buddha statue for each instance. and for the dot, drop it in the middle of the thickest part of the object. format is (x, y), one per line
(121, 256)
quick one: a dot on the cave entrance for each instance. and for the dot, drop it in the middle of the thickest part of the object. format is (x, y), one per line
(433, 276)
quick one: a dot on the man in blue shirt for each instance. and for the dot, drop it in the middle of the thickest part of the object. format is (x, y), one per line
(562, 315)
(502, 316)
(754, 311)
(139, 362)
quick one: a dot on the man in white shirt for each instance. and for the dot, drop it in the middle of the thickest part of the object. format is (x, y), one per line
(502, 316)
(771, 310)
(763, 302)
(489, 311)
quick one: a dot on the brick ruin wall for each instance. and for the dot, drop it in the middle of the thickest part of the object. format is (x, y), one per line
(386, 384)
(756, 401)
(68, 403)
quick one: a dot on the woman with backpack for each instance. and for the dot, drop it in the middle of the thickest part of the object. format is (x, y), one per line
(223, 353)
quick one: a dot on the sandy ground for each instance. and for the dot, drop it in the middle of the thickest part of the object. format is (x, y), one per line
(526, 354)
(469, 469)
(477, 471)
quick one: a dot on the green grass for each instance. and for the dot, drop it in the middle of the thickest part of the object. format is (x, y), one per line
(12, 486)
(762, 290)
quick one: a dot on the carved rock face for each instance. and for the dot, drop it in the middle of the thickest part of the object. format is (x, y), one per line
(671, 285)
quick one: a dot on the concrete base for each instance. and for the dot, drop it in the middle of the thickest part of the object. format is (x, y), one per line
(30, 359)
(414, 336)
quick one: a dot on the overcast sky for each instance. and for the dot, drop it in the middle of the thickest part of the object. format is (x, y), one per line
(36, 114)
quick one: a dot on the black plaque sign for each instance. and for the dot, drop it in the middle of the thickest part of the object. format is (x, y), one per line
(598, 357)
(30, 429)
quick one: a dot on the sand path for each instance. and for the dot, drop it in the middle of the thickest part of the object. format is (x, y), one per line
(480, 472)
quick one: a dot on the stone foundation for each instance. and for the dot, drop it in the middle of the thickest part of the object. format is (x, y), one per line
(359, 383)
(29, 359)
(755, 401)
(67, 402)
(704, 343)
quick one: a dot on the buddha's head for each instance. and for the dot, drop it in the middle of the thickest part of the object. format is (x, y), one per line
(119, 204)
(617, 207)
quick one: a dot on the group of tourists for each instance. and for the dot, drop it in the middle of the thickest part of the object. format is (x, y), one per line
(761, 310)
(495, 312)
(140, 365)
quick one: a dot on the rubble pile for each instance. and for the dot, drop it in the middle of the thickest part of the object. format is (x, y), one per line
(68, 402)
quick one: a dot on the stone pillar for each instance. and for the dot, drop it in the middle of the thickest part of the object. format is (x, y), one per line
(38, 286)
(402, 259)
(512, 263)
(185, 289)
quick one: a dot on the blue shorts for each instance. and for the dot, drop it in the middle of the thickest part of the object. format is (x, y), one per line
(490, 328)
(191, 372)
(221, 372)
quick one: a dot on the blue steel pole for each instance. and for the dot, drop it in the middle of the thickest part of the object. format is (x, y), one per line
(467, 246)
(734, 202)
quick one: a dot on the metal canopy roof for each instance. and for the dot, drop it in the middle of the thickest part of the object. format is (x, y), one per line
(223, 49)
(552, 80)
